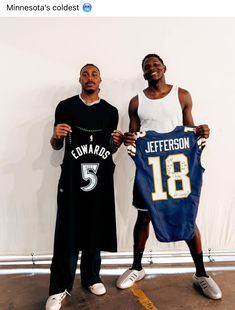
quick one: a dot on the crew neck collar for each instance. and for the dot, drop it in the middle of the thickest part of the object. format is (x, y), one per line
(88, 103)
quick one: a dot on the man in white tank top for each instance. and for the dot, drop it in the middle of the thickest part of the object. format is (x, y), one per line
(161, 107)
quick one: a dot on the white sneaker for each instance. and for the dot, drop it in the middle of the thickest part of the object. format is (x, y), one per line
(54, 301)
(97, 289)
(129, 277)
(208, 286)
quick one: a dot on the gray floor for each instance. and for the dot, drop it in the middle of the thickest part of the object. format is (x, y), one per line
(162, 292)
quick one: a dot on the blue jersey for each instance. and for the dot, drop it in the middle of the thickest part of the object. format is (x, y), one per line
(169, 179)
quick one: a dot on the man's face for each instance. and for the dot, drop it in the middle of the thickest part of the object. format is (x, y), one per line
(153, 69)
(90, 79)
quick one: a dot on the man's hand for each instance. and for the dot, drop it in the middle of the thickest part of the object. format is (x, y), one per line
(203, 131)
(129, 138)
(117, 138)
(61, 131)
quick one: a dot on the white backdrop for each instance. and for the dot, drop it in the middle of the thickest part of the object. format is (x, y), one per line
(40, 62)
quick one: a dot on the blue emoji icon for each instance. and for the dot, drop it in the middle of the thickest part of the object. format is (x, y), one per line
(86, 7)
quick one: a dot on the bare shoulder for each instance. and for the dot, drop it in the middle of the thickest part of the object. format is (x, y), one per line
(185, 97)
(134, 100)
(134, 103)
(183, 92)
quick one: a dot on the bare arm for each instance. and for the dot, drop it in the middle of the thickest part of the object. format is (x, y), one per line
(133, 115)
(186, 104)
(57, 139)
(134, 125)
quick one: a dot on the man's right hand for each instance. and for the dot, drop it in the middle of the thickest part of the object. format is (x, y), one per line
(129, 138)
(61, 131)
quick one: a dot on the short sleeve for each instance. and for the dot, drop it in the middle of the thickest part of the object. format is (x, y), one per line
(114, 120)
(59, 115)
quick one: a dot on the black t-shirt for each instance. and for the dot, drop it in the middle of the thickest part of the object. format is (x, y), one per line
(74, 112)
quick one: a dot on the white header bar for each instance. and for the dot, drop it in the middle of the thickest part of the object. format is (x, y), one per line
(116, 8)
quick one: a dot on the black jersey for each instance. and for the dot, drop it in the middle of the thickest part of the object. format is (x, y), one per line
(86, 210)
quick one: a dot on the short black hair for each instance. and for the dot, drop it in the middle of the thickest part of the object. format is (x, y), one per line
(152, 55)
(89, 65)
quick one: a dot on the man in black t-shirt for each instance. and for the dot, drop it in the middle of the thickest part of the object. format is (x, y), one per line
(86, 212)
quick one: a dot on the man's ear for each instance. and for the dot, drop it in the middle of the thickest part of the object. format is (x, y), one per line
(165, 68)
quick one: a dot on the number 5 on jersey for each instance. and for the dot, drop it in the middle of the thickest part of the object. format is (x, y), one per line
(89, 174)
(173, 177)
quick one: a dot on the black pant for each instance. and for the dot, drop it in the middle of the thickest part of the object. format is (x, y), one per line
(63, 269)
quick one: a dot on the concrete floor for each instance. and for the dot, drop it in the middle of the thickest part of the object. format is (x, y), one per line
(161, 292)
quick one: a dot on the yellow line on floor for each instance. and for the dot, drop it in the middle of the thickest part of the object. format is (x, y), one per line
(142, 298)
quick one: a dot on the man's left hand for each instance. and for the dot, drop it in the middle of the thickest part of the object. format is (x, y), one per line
(203, 131)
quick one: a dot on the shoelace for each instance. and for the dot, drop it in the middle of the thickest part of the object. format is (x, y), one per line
(62, 295)
(66, 292)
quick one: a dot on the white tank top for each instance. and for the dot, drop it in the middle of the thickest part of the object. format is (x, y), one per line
(161, 115)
